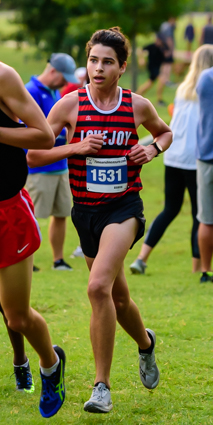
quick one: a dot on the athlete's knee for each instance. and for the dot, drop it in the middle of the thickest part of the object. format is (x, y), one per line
(18, 322)
(97, 289)
(121, 303)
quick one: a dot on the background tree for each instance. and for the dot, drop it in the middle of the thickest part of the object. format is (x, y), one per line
(43, 21)
(66, 25)
(135, 17)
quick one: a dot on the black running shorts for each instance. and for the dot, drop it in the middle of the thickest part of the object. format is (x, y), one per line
(154, 73)
(90, 221)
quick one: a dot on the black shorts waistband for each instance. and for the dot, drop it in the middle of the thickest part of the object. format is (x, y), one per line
(129, 197)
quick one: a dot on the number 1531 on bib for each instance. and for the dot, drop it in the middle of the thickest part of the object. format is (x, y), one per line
(106, 175)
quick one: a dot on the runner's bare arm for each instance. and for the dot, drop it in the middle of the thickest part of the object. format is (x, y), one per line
(16, 102)
(64, 114)
(145, 114)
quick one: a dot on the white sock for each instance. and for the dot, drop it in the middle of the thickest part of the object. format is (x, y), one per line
(22, 365)
(48, 371)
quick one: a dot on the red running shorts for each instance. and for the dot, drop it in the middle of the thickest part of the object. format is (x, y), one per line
(20, 236)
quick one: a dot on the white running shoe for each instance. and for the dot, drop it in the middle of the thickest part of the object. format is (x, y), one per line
(77, 253)
(100, 400)
(138, 267)
(148, 369)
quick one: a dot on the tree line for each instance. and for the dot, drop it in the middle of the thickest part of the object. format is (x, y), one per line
(66, 25)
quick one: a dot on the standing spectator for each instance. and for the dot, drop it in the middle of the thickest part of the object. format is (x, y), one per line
(180, 163)
(207, 32)
(81, 75)
(166, 31)
(204, 154)
(49, 185)
(189, 35)
(19, 232)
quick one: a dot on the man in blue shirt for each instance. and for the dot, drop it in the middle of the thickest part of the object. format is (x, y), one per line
(204, 154)
(48, 185)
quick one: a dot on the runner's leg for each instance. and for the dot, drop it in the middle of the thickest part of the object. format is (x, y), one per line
(115, 242)
(15, 287)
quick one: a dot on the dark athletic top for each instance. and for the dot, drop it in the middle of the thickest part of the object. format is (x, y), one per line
(156, 56)
(208, 34)
(13, 164)
(91, 178)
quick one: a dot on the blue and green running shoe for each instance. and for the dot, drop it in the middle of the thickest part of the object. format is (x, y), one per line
(206, 277)
(24, 379)
(53, 388)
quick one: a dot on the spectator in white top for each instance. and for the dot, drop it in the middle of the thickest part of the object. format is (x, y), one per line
(180, 162)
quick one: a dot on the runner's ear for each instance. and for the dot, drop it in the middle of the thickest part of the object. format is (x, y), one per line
(123, 68)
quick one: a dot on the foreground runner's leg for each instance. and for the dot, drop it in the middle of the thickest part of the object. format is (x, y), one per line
(107, 282)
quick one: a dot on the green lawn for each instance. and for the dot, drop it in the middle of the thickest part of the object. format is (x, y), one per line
(171, 301)
(7, 26)
(23, 60)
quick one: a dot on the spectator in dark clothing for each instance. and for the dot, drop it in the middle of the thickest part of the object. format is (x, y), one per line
(167, 31)
(189, 36)
(155, 59)
(207, 32)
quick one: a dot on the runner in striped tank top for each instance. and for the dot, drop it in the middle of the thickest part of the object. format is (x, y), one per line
(105, 160)
(119, 136)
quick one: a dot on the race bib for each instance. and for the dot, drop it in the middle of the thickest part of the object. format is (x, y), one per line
(106, 175)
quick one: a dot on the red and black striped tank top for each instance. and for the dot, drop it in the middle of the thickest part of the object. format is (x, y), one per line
(120, 135)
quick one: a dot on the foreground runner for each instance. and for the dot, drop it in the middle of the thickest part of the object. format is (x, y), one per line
(19, 233)
(105, 161)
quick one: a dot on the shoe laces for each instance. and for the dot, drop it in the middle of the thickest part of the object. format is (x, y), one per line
(23, 376)
(147, 359)
(100, 391)
(48, 387)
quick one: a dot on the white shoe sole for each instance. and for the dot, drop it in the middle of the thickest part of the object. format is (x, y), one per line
(95, 408)
(62, 268)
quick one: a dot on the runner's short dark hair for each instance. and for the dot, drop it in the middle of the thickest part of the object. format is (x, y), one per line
(112, 37)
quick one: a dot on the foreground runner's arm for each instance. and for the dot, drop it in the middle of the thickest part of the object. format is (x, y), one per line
(145, 114)
(64, 114)
(15, 101)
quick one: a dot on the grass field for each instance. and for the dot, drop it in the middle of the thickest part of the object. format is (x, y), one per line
(171, 301)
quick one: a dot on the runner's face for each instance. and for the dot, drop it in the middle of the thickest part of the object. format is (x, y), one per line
(103, 66)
